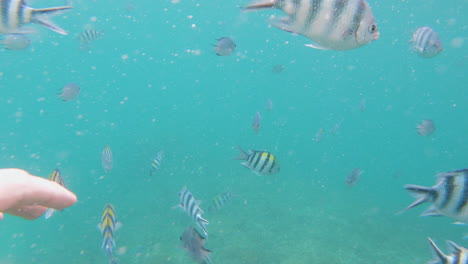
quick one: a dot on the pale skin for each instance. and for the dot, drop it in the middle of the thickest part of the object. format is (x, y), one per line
(29, 196)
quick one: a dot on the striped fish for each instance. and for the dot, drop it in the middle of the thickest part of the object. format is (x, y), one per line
(331, 24)
(426, 42)
(458, 254)
(106, 159)
(219, 201)
(108, 226)
(188, 203)
(260, 162)
(449, 197)
(88, 36)
(56, 176)
(156, 162)
(15, 13)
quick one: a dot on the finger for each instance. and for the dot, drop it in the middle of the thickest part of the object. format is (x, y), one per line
(50, 194)
(1, 216)
(28, 212)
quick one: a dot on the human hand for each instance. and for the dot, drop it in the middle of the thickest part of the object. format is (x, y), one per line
(29, 196)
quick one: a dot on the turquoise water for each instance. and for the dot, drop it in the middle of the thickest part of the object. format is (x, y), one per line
(198, 108)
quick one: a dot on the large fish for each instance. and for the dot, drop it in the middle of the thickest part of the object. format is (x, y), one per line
(108, 226)
(260, 162)
(15, 13)
(331, 24)
(56, 176)
(192, 242)
(191, 206)
(449, 197)
(458, 254)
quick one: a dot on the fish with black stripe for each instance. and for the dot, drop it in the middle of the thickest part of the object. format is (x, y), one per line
(330, 24)
(260, 162)
(192, 207)
(449, 197)
(219, 201)
(88, 36)
(15, 13)
(156, 162)
(457, 254)
(426, 42)
(108, 226)
(107, 161)
(55, 176)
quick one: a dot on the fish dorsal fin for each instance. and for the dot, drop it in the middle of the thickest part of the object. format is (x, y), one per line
(437, 252)
(453, 248)
(414, 204)
(431, 212)
(316, 46)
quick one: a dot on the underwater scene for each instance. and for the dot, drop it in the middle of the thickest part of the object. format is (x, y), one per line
(265, 131)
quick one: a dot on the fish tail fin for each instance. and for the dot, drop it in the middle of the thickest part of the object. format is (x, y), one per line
(439, 256)
(424, 194)
(41, 16)
(259, 5)
(243, 154)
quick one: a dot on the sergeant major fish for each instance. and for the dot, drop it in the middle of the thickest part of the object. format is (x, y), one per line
(449, 196)
(219, 201)
(331, 24)
(260, 162)
(191, 206)
(156, 162)
(56, 176)
(108, 226)
(458, 254)
(15, 13)
(106, 159)
(426, 42)
(192, 242)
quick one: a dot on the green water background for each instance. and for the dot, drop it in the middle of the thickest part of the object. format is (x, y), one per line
(199, 108)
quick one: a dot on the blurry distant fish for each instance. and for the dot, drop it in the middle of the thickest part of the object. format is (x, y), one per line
(319, 135)
(458, 254)
(257, 122)
(192, 242)
(363, 105)
(336, 127)
(278, 68)
(426, 42)
(69, 92)
(106, 159)
(16, 42)
(353, 177)
(448, 197)
(224, 47)
(260, 162)
(426, 127)
(88, 36)
(269, 105)
(108, 226)
(191, 206)
(156, 162)
(55, 177)
(15, 14)
(219, 201)
(331, 24)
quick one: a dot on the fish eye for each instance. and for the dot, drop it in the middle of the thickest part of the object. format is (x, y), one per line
(372, 28)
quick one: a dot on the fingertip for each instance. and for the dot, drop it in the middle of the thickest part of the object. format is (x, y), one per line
(1, 216)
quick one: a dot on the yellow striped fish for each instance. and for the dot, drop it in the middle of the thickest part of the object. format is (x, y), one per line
(260, 162)
(56, 176)
(108, 226)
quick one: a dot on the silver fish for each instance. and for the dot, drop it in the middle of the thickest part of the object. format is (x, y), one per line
(224, 47)
(331, 24)
(269, 105)
(16, 42)
(191, 206)
(56, 176)
(260, 162)
(426, 42)
(458, 254)
(449, 197)
(88, 36)
(257, 122)
(106, 159)
(426, 127)
(15, 14)
(353, 177)
(219, 201)
(192, 242)
(69, 92)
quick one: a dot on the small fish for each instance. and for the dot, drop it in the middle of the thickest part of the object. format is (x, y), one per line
(219, 201)
(56, 176)
(106, 159)
(260, 162)
(458, 254)
(278, 68)
(330, 24)
(426, 42)
(336, 127)
(224, 47)
(156, 162)
(16, 42)
(108, 226)
(449, 197)
(319, 135)
(269, 105)
(257, 122)
(88, 36)
(363, 105)
(69, 92)
(192, 242)
(353, 177)
(192, 208)
(15, 14)
(426, 127)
